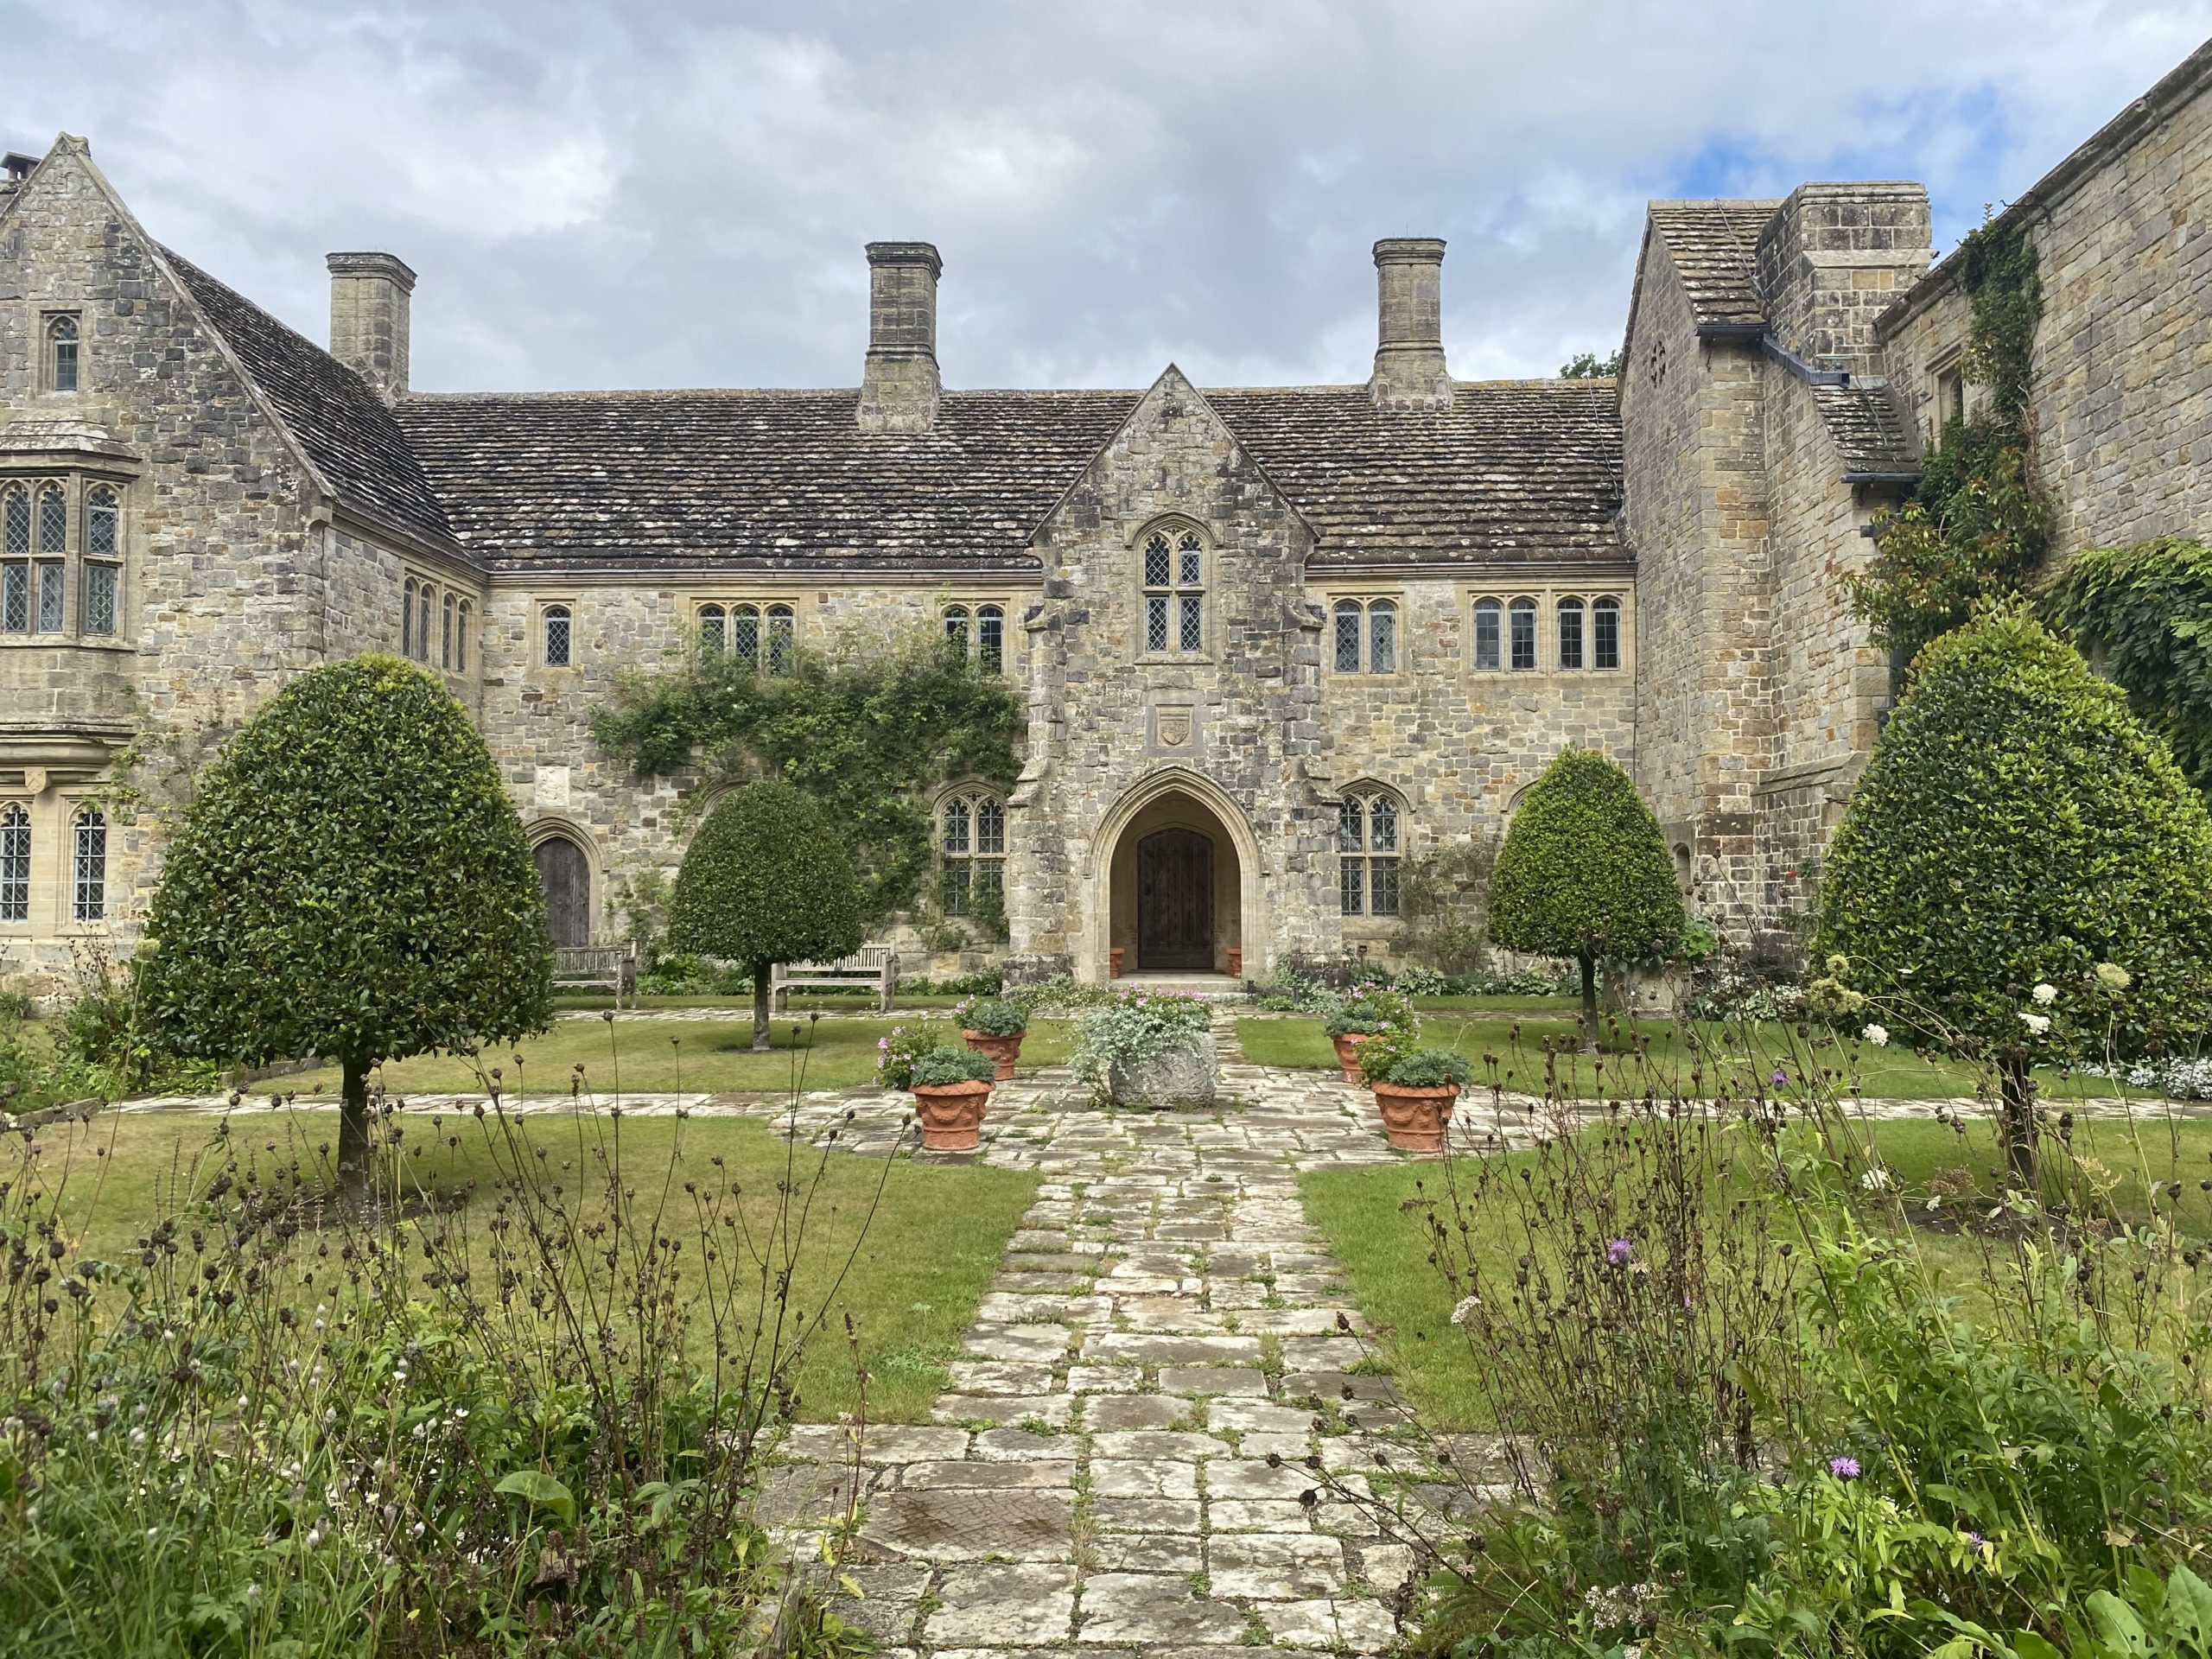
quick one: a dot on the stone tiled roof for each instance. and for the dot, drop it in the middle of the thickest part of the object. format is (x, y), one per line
(1714, 245)
(776, 480)
(345, 429)
(1867, 429)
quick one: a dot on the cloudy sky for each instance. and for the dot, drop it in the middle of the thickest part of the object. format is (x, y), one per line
(670, 193)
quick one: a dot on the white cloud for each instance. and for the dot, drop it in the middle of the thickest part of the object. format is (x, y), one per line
(676, 193)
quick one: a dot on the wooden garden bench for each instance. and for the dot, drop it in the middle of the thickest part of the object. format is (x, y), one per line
(876, 963)
(598, 968)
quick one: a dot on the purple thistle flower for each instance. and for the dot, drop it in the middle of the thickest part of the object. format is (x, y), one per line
(1844, 1468)
(1618, 1252)
(1781, 1079)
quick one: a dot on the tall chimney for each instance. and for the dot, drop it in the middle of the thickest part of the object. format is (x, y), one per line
(899, 389)
(368, 318)
(1410, 372)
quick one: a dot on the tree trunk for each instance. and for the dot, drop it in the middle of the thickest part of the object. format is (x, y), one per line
(353, 1130)
(1589, 1001)
(2016, 1120)
(760, 972)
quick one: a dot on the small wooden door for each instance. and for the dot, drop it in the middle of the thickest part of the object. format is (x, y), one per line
(566, 878)
(1175, 900)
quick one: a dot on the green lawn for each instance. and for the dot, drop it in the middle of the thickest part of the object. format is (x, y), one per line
(1541, 1054)
(652, 1056)
(924, 1259)
(802, 1002)
(1374, 1220)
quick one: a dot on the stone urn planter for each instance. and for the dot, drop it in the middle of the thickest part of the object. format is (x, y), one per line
(1348, 1051)
(1180, 1074)
(950, 1115)
(1002, 1051)
(1414, 1119)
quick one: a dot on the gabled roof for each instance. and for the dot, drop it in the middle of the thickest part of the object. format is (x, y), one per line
(1868, 432)
(1511, 472)
(344, 429)
(1714, 245)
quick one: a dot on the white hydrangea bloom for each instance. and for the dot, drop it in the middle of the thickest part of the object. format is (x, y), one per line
(2045, 994)
(2038, 1023)
(1877, 1035)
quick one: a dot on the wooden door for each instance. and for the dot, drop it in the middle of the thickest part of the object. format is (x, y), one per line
(566, 878)
(1175, 900)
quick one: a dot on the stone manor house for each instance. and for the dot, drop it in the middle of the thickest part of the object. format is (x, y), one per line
(1274, 640)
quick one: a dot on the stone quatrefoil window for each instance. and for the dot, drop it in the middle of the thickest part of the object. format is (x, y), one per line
(980, 633)
(763, 635)
(1367, 847)
(1366, 635)
(972, 842)
(36, 557)
(1587, 633)
(15, 864)
(435, 626)
(1175, 594)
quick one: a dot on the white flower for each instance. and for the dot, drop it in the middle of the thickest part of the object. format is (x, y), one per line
(2044, 994)
(1877, 1035)
(1876, 1180)
(2113, 975)
(2038, 1023)
(1467, 1305)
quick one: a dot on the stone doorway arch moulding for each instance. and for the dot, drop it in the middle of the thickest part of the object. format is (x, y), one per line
(1253, 870)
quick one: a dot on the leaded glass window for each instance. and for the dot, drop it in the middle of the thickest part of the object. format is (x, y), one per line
(89, 866)
(407, 617)
(1174, 599)
(990, 638)
(103, 514)
(422, 622)
(53, 520)
(1348, 619)
(15, 596)
(781, 624)
(1522, 615)
(52, 604)
(955, 627)
(558, 625)
(1490, 616)
(1381, 638)
(445, 634)
(15, 864)
(1570, 633)
(101, 583)
(1366, 635)
(62, 347)
(15, 521)
(1367, 855)
(714, 627)
(972, 848)
(1605, 634)
(460, 640)
(745, 633)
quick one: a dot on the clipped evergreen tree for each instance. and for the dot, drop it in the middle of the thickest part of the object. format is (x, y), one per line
(766, 879)
(349, 880)
(2018, 828)
(1584, 874)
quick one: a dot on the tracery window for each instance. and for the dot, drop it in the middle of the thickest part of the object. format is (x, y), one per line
(1366, 635)
(445, 634)
(15, 864)
(89, 870)
(714, 628)
(987, 643)
(972, 844)
(1522, 617)
(1490, 620)
(1569, 618)
(782, 628)
(61, 354)
(764, 636)
(1174, 593)
(102, 574)
(1367, 849)
(1605, 634)
(557, 623)
(407, 617)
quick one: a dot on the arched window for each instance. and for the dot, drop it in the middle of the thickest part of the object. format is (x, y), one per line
(1489, 617)
(1366, 635)
(557, 628)
(407, 617)
(1348, 619)
(101, 576)
(1382, 638)
(564, 873)
(460, 640)
(1522, 615)
(780, 630)
(1605, 634)
(53, 571)
(89, 869)
(973, 844)
(714, 628)
(15, 560)
(990, 638)
(15, 864)
(745, 633)
(955, 627)
(1368, 845)
(61, 354)
(423, 622)
(445, 635)
(1570, 633)
(1174, 595)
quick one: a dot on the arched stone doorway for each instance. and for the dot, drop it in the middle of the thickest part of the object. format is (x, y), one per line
(1176, 889)
(565, 875)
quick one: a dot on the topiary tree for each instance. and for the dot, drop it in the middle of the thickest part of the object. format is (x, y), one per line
(2023, 873)
(765, 880)
(1584, 874)
(349, 880)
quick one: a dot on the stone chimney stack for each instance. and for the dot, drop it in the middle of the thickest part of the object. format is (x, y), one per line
(898, 389)
(1831, 260)
(368, 318)
(1410, 372)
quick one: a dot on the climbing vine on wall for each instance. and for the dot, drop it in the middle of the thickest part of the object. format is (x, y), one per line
(1977, 528)
(2143, 616)
(870, 731)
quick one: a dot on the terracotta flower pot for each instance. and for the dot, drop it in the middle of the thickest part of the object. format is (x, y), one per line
(1348, 1052)
(1001, 1049)
(1414, 1119)
(1113, 962)
(950, 1115)
(1236, 962)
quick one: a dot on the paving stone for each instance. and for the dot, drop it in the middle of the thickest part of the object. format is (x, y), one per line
(1002, 1605)
(1171, 1350)
(1154, 1608)
(1030, 1342)
(1136, 1411)
(1001, 1476)
(962, 1524)
(1255, 1515)
(1004, 1408)
(1259, 1417)
(890, 1595)
(1116, 1551)
(999, 1377)
(1212, 1379)
(1278, 1565)
(1251, 1478)
(1017, 1445)
(1156, 1444)
(1111, 1513)
(1322, 1353)
(1104, 1379)
(1144, 1478)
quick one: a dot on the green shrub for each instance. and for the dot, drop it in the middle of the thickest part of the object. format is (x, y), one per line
(1584, 872)
(947, 1064)
(2023, 874)
(352, 880)
(1420, 1068)
(992, 1017)
(1373, 1010)
(896, 1055)
(765, 879)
